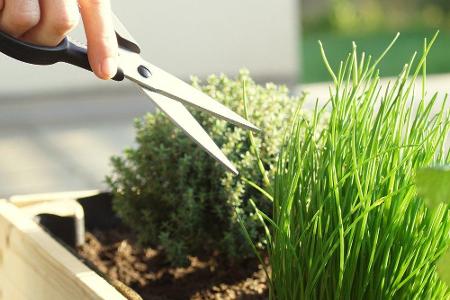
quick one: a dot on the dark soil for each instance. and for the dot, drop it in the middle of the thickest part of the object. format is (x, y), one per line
(145, 270)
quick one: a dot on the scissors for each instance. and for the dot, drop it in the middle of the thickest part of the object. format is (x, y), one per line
(165, 90)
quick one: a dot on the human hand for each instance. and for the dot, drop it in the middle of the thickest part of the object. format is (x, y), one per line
(47, 22)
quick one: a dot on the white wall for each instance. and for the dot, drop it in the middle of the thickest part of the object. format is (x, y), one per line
(186, 37)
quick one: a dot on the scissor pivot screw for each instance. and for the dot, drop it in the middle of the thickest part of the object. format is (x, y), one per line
(144, 72)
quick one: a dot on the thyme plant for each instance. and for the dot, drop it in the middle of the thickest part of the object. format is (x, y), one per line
(173, 194)
(347, 222)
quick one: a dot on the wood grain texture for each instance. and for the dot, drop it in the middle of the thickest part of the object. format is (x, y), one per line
(34, 266)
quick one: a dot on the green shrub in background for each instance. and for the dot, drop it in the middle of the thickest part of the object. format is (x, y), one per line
(173, 194)
(347, 221)
(433, 183)
(352, 16)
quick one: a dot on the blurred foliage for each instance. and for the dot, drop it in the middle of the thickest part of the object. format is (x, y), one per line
(371, 24)
(434, 185)
(172, 193)
(372, 43)
(349, 16)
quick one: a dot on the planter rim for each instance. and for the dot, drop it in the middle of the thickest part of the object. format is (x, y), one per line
(33, 265)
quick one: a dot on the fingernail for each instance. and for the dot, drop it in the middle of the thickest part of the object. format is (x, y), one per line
(108, 68)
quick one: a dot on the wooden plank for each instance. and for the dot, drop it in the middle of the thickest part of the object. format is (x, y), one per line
(26, 200)
(34, 266)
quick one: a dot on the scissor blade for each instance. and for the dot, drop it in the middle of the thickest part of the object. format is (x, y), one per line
(124, 38)
(168, 85)
(178, 113)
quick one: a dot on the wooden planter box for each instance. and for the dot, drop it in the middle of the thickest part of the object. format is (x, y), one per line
(33, 265)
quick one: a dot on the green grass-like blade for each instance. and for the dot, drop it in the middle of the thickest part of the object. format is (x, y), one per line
(347, 222)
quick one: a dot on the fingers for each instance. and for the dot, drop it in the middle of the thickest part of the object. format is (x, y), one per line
(46, 22)
(58, 18)
(101, 38)
(19, 16)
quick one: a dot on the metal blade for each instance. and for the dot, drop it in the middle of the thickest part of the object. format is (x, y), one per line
(124, 38)
(184, 120)
(168, 85)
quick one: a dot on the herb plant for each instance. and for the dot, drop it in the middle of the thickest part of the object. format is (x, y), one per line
(347, 222)
(173, 194)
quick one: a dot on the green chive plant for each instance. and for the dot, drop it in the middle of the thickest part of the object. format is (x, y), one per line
(347, 222)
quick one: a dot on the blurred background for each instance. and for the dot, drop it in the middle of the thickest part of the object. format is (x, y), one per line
(59, 125)
(372, 24)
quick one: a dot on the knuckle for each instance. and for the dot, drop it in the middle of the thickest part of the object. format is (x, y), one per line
(104, 42)
(100, 2)
(96, 3)
(24, 20)
(108, 38)
(64, 23)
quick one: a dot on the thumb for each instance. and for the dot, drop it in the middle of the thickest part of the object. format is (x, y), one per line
(101, 37)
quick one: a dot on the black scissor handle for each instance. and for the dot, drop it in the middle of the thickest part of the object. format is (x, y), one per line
(66, 51)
